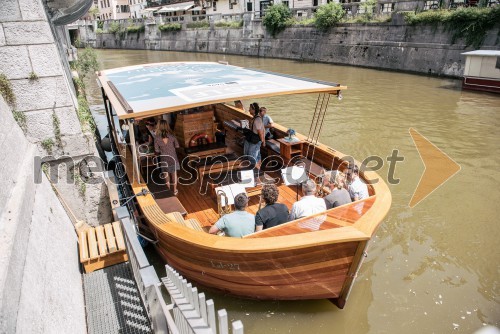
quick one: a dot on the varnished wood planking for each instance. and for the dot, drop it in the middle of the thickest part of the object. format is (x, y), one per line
(366, 222)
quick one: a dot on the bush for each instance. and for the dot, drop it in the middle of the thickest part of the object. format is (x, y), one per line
(170, 27)
(134, 28)
(277, 18)
(368, 9)
(198, 25)
(307, 22)
(230, 24)
(469, 23)
(328, 15)
(99, 31)
(87, 62)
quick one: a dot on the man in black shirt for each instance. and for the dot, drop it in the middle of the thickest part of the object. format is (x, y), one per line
(273, 213)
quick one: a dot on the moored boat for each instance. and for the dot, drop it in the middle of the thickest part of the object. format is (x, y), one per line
(312, 257)
(482, 71)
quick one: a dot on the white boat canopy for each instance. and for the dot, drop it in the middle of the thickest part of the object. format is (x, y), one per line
(177, 7)
(154, 89)
(483, 53)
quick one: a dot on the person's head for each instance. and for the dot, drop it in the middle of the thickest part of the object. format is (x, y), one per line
(238, 104)
(163, 129)
(270, 193)
(263, 111)
(240, 202)
(309, 187)
(151, 123)
(254, 109)
(334, 179)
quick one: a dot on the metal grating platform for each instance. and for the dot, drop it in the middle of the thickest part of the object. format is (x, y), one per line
(113, 303)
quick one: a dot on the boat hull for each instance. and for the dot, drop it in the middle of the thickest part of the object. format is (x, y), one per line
(309, 272)
(481, 84)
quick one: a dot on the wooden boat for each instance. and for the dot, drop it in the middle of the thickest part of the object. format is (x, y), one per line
(314, 257)
(482, 71)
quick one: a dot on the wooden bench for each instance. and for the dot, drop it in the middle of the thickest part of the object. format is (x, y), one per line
(101, 246)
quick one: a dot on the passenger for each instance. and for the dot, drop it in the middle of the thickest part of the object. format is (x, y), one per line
(268, 122)
(251, 150)
(309, 204)
(151, 125)
(338, 195)
(165, 145)
(273, 213)
(357, 188)
(238, 223)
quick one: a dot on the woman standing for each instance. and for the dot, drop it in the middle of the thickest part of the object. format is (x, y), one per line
(251, 150)
(165, 145)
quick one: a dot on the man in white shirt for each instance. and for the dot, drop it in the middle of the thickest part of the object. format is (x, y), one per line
(357, 189)
(309, 204)
(268, 122)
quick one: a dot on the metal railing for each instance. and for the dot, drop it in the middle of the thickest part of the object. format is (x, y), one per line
(179, 316)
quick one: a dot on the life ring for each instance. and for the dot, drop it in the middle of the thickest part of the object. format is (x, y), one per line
(194, 140)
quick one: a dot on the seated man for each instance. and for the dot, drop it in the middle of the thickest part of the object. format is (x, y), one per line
(273, 213)
(338, 195)
(309, 204)
(237, 223)
(357, 188)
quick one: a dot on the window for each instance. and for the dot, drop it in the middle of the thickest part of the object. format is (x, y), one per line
(214, 4)
(286, 3)
(108, 4)
(249, 7)
(102, 6)
(230, 4)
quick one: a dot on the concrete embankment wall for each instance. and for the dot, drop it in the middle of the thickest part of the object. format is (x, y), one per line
(390, 46)
(40, 280)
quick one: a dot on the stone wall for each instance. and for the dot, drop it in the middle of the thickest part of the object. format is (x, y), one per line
(33, 57)
(40, 280)
(389, 46)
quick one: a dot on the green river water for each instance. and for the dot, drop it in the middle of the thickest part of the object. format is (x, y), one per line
(431, 269)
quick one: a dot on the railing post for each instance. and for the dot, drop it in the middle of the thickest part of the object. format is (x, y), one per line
(211, 315)
(203, 307)
(237, 327)
(223, 327)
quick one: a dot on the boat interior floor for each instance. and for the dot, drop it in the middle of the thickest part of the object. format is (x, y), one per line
(198, 199)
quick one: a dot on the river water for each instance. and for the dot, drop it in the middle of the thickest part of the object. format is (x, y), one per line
(431, 269)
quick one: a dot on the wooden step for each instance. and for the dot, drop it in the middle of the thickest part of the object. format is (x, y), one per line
(102, 246)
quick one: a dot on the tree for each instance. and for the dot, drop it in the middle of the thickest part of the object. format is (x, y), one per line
(328, 15)
(276, 18)
(94, 12)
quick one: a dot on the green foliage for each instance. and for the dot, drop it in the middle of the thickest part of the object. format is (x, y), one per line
(94, 11)
(6, 91)
(47, 144)
(100, 25)
(56, 124)
(87, 62)
(170, 27)
(134, 28)
(99, 31)
(328, 15)
(20, 118)
(33, 76)
(470, 23)
(368, 9)
(82, 186)
(117, 29)
(306, 22)
(84, 114)
(277, 18)
(198, 25)
(230, 24)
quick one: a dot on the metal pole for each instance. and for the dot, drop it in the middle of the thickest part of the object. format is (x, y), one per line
(136, 171)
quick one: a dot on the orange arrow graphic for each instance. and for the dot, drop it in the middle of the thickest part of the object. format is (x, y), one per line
(439, 167)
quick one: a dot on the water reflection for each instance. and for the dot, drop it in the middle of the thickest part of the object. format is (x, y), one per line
(428, 268)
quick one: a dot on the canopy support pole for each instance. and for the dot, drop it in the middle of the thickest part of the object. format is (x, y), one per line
(136, 171)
